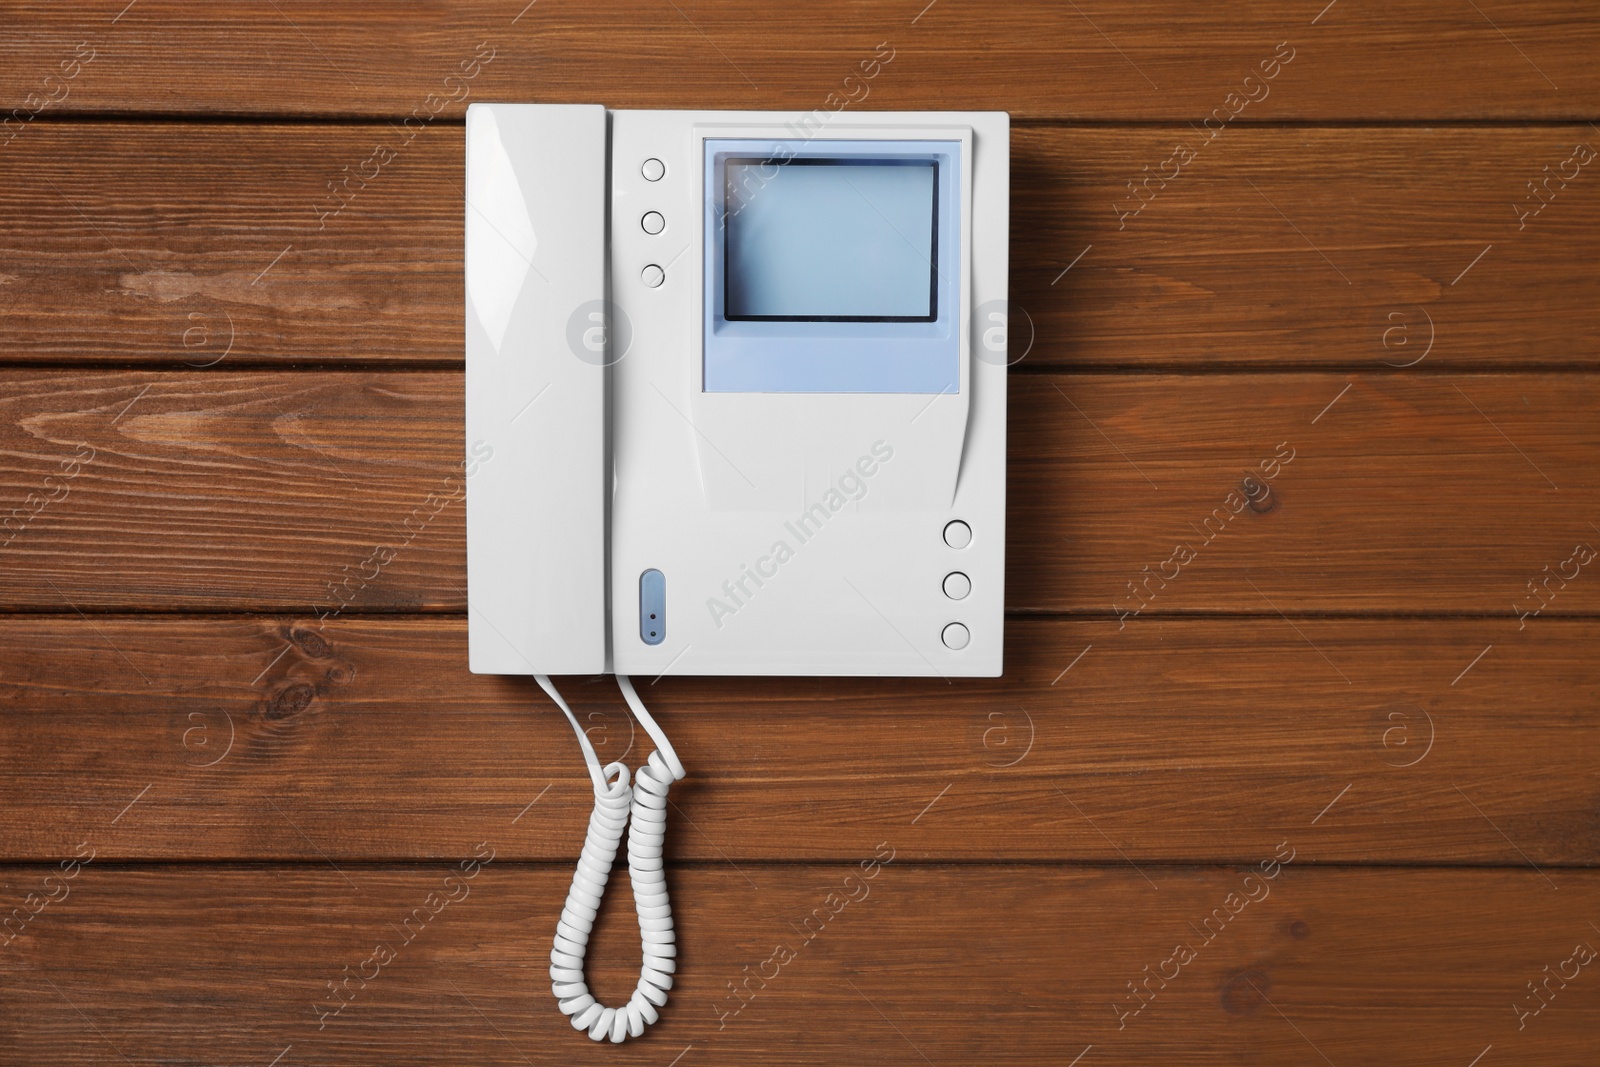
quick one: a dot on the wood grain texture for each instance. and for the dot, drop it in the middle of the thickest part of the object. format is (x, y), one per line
(1177, 740)
(1302, 513)
(1011, 965)
(1129, 494)
(1410, 59)
(191, 245)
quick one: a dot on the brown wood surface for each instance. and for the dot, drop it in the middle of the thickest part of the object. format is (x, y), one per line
(1403, 492)
(1351, 247)
(1193, 740)
(1404, 59)
(944, 965)
(1379, 654)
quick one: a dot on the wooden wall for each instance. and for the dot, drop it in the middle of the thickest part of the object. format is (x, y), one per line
(1360, 721)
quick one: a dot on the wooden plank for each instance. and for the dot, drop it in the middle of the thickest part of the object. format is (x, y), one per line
(1205, 740)
(1413, 494)
(121, 245)
(1151, 59)
(1361, 247)
(1129, 493)
(190, 489)
(1365, 248)
(1002, 965)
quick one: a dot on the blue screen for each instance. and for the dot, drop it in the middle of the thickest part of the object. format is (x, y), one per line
(814, 239)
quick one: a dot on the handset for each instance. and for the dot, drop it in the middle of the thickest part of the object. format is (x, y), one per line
(536, 403)
(537, 352)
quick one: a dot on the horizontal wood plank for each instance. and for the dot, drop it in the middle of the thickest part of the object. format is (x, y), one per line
(1130, 495)
(1005, 965)
(1409, 59)
(1365, 248)
(1205, 740)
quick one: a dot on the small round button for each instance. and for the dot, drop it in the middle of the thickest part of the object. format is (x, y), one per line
(653, 276)
(653, 222)
(957, 585)
(957, 534)
(653, 170)
(956, 636)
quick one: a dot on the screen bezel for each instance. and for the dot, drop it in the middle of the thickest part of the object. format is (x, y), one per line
(932, 256)
(792, 356)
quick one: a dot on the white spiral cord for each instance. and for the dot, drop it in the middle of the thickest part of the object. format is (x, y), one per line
(642, 810)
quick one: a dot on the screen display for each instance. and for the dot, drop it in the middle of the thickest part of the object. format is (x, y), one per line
(831, 240)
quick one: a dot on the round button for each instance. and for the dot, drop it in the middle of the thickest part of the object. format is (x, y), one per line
(653, 222)
(956, 636)
(957, 585)
(957, 534)
(653, 170)
(653, 276)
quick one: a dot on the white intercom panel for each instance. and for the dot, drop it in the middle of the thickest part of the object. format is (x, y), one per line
(736, 391)
(736, 404)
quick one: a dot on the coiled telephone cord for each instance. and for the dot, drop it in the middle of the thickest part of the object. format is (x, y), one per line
(642, 809)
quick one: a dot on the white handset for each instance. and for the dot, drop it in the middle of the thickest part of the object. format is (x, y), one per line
(536, 517)
(536, 508)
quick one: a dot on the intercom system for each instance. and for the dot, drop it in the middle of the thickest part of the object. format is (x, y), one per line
(736, 401)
